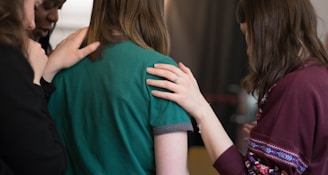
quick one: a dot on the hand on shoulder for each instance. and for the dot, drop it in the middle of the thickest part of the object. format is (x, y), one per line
(183, 86)
(68, 52)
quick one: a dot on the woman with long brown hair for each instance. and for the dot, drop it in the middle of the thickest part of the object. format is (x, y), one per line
(108, 119)
(288, 72)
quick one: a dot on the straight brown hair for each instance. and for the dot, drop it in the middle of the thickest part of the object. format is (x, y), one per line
(141, 21)
(12, 30)
(282, 33)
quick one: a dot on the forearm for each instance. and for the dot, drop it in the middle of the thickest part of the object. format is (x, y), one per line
(51, 69)
(213, 134)
(48, 75)
(171, 152)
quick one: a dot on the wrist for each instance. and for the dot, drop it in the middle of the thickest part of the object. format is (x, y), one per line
(203, 111)
(36, 80)
(50, 71)
(48, 76)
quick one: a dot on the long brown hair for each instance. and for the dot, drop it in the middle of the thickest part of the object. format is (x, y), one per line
(12, 29)
(282, 34)
(141, 21)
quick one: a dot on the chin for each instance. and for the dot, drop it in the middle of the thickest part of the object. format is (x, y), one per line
(36, 35)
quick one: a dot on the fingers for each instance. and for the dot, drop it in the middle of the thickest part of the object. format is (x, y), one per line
(75, 38)
(88, 49)
(78, 37)
(248, 127)
(169, 71)
(254, 123)
(184, 68)
(247, 130)
(80, 34)
(169, 67)
(164, 73)
(165, 95)
(162, 84)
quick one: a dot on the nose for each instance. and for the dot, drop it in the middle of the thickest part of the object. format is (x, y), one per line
(31, 25)
(53, 16)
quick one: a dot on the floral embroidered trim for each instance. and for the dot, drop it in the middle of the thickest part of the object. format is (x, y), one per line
(255, 167)
(278, 154)
(259, 115)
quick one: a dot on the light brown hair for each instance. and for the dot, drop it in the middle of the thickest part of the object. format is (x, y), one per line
(282, 33)
(12, 30)
(141, 21)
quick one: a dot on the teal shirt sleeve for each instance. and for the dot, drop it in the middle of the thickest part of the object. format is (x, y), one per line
(166, 116)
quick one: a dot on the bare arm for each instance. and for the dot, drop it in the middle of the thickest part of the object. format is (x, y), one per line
(171, 154)
(68, 53)
(185, 91)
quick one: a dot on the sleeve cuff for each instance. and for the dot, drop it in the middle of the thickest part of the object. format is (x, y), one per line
(48, 88)
(230, 162)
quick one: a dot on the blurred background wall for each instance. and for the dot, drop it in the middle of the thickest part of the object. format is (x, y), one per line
(76, 14)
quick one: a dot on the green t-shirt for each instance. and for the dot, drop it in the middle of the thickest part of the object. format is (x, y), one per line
(106, 115)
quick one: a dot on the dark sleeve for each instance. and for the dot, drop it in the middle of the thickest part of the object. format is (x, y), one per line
(231, 162)
(48, 88)
(29, 143)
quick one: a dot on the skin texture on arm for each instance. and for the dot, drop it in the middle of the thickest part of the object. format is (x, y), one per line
(185, 92)
(171, 151)
(68, 53)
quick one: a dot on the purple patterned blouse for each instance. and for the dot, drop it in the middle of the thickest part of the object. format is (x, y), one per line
(291, 136)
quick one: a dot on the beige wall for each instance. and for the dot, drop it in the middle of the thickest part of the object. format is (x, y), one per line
(321, 7)
(74, 14)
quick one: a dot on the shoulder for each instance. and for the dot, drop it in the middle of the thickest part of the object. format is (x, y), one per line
(131, 49)
(308, 77)
(303, 85)
(10, 51)
(12, 58)
(6, 49)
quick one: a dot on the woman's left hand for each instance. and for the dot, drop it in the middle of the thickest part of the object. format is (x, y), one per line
(183, 86)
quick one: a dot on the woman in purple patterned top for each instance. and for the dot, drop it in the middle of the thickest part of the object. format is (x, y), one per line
(288, 72)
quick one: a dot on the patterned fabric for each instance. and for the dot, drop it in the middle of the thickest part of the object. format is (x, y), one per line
(255, 167)
(275, 153)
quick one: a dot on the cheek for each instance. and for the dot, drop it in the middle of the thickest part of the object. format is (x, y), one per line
(40, 15)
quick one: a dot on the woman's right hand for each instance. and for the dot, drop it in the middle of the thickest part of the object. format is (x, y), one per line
(183, 86)
(247, 127)
(37, 59)
(67, 53)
